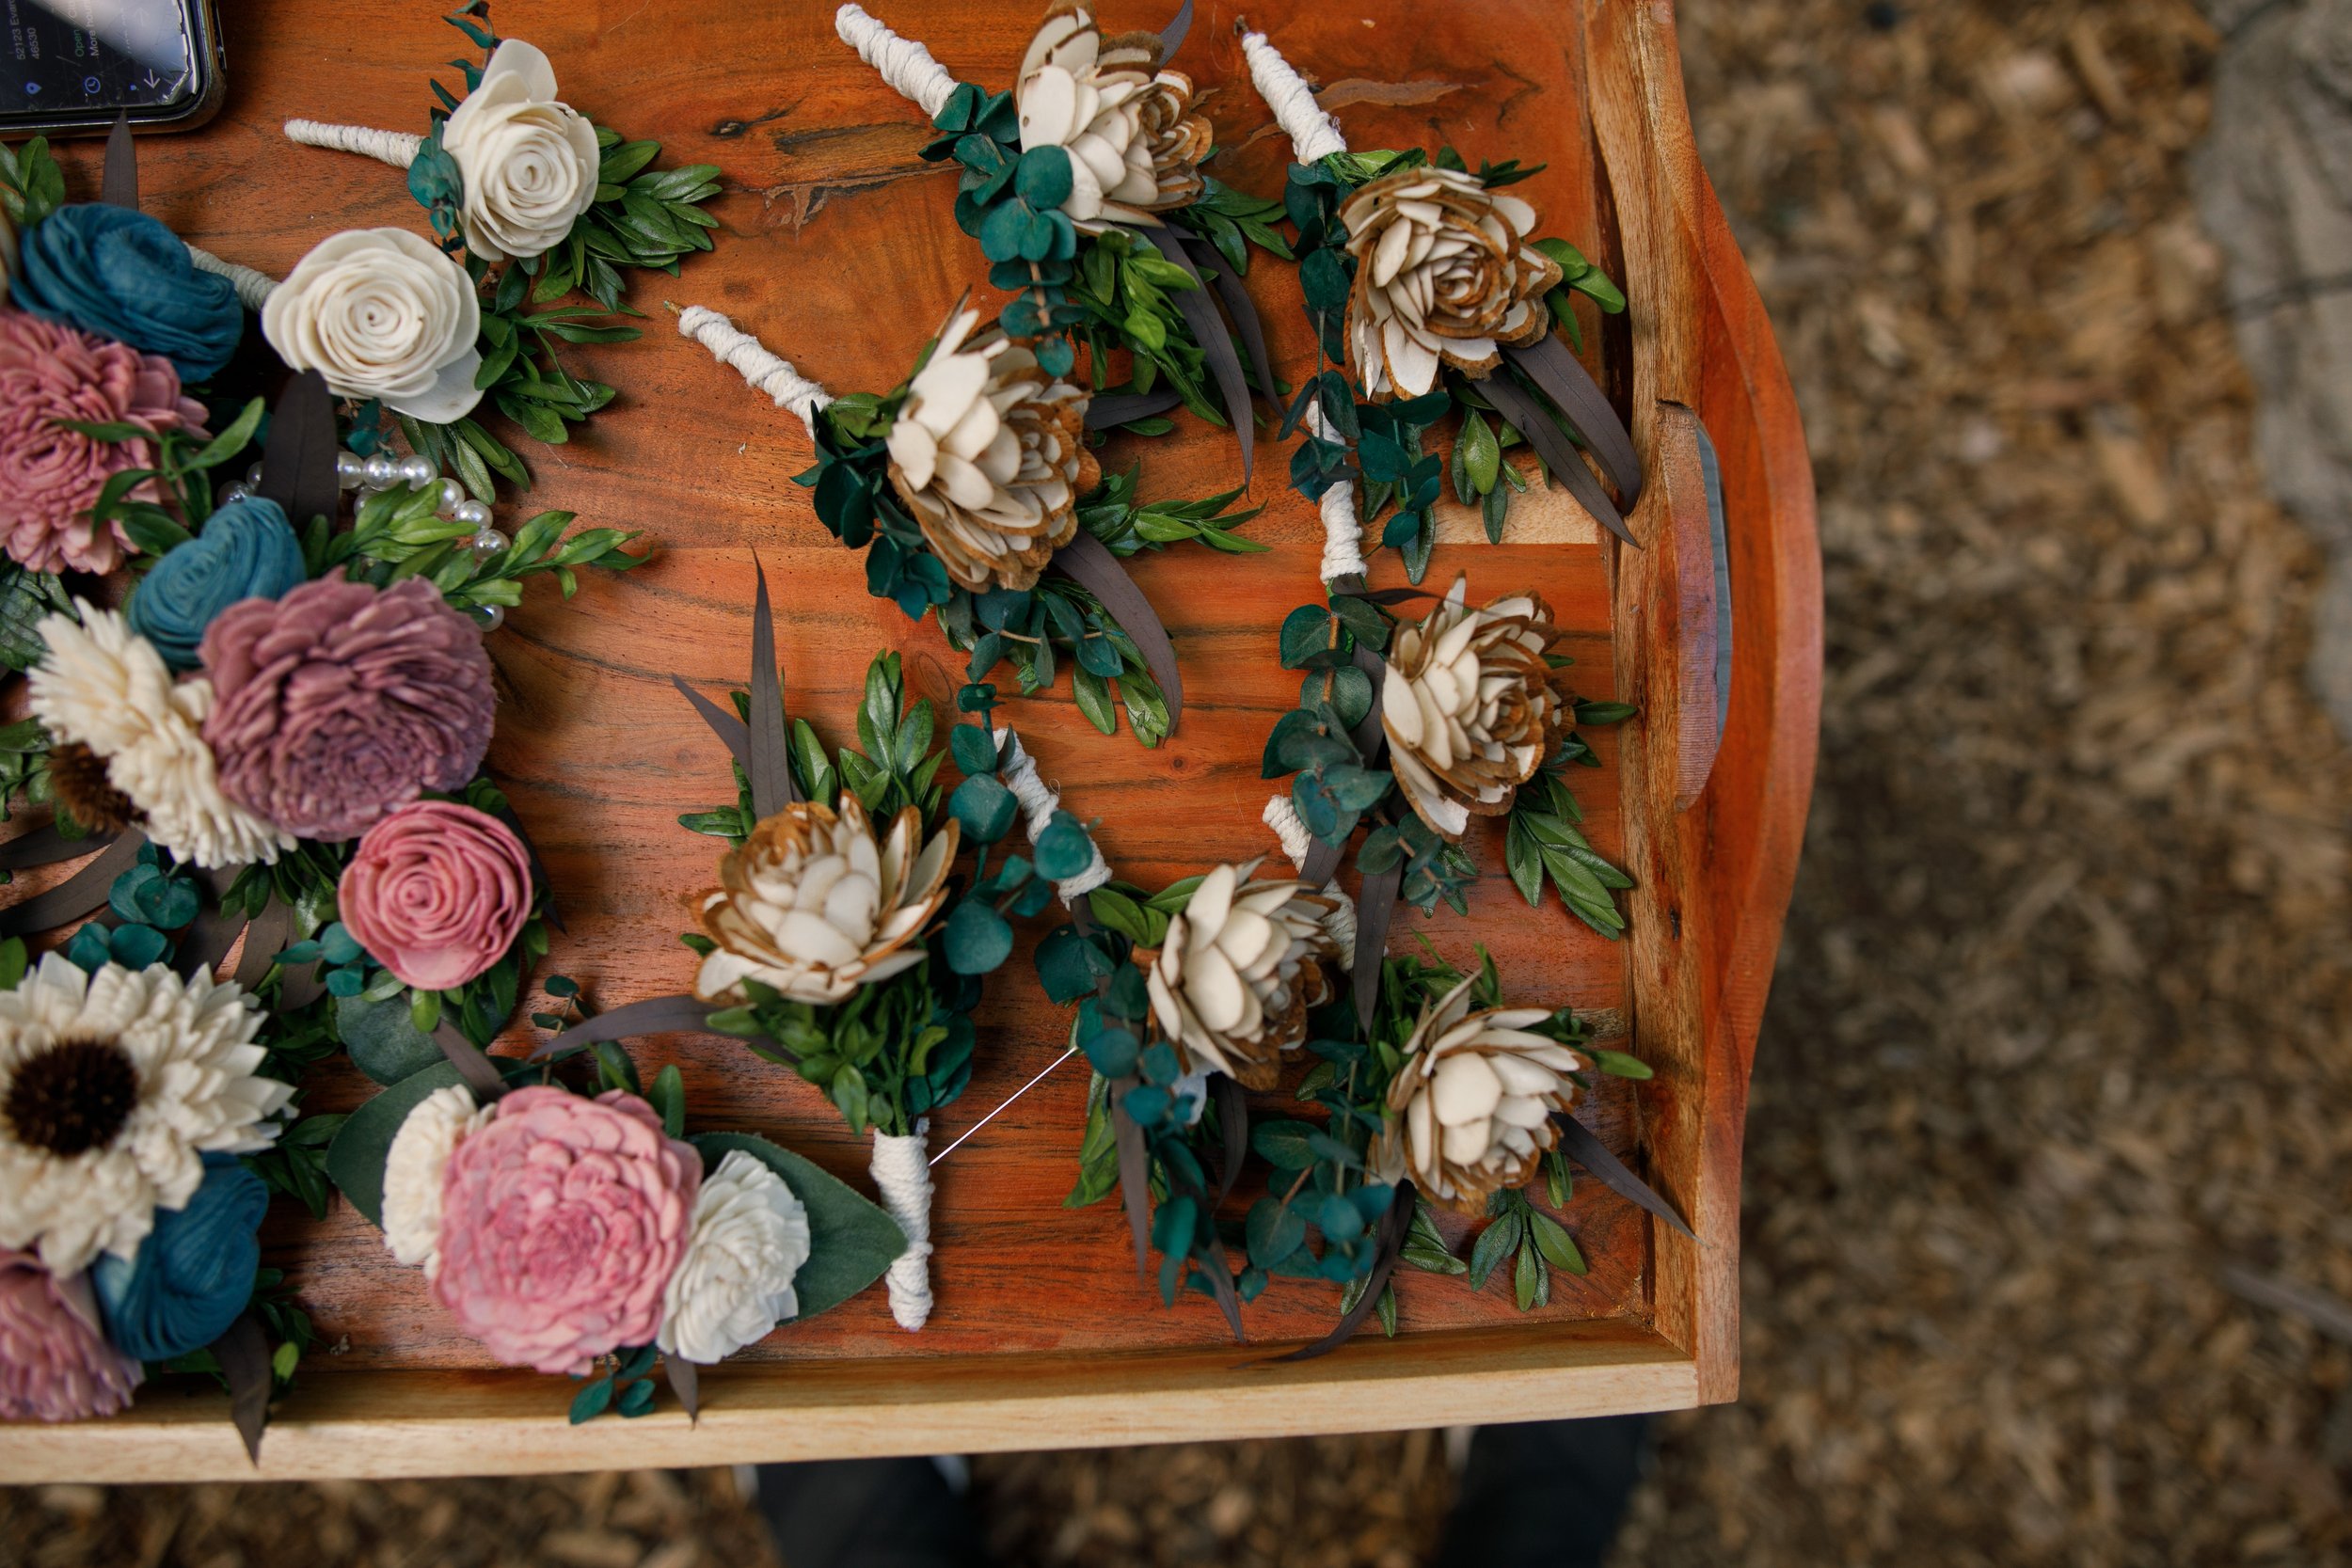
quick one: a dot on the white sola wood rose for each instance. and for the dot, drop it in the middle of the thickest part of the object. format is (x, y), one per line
(1242, 962)
(113, 1089)
(990, 455)
(1474, 1100)
(1472, 705)
(413, 1167)
(380, 313)
(813, 906)
(749, 1240)
(527, 162)
(1443, 276)
(1134, 142)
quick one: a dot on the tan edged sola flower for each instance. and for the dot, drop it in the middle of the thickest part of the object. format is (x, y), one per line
(1474, 1100)
(1134, 142)
(1444, 273)
(812, 906)
(990, 455)
(1242, 962)
(1472, 705)
(113, 1089)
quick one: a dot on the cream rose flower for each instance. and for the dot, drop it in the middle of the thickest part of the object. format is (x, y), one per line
(528, 162)
(104, 686)
(113, 1089)
(382, 315)
(431, 1132)
(750, 1238)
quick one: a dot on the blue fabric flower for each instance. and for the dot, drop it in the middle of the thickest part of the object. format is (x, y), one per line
(193, 1275)
(247, 551)
(124, 275)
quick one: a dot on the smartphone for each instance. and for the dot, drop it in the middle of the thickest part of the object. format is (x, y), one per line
(69, 67)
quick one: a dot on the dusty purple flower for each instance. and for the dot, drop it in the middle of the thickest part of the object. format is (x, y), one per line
(341, 701)
(54, 1362)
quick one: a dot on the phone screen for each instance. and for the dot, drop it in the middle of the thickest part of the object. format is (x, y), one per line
(91, 58)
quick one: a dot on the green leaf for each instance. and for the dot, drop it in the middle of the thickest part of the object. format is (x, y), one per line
(1552, 1240)
(1527, 1279)
(1619, 1064)
(1481, 453)
(1284, 1145)
(985, 808)
(850, 1240)
(592, 1400)
(1274, 1232)
(383, 1038)
(977, 940)
(1064, 849)
(1496, 1243)
(1043, 178)
(668, 1097)
(354, 1160)
(1094, 699)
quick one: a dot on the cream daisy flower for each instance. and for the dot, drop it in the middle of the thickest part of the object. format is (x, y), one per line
(103, 686)
(428, 1135)
(113, 1089)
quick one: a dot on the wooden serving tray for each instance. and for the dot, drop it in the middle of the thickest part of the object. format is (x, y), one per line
(841, 252)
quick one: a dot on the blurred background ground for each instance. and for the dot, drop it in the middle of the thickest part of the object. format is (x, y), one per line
(2059, 1035)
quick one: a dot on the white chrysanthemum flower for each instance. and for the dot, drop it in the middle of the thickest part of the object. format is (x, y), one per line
(428, 1135)
(104, 685)
(735, 1284)
(113, 1089)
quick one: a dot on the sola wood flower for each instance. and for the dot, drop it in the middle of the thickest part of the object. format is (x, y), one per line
(1474, 1100)
(1240, 966)
(54, 1362)
(414, 1167)
(1134, 142)
(124, 725)
(380, 313)
(113, 1087)
(561, 1220)
(1472, 705)
(1444, 273)
(990, 455)
(750, 1238)
(437, 893)
(528, 161)
(810, 905)
(120, 274)
(341, 701)
(51, 475)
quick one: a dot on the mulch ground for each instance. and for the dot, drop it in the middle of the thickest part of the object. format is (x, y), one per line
(2056, 1052)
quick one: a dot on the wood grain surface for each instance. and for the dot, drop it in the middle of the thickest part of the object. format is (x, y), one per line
(840, 250)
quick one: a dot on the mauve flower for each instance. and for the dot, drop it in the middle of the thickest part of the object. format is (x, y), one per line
(195, 1271)
(247, 551)
(50, 477)
(437, 892)
(561, 1222)
(122, 274)
(341, 702)
(55, 1363)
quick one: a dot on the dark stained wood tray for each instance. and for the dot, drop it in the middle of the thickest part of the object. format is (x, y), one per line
(840, 251)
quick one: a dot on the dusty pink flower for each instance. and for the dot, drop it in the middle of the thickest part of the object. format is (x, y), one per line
(56, 1364)
(437, 893)
(561, 1222)
(343, 701)
(50, 477)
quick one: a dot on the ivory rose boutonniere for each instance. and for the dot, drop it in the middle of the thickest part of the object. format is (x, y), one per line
(382, 315)
(528, 162)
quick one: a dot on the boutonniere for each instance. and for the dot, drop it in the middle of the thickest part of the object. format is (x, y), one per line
(547, 209)
(585, 1231)
(973, 491)
(1082, 183)
(1433, 286)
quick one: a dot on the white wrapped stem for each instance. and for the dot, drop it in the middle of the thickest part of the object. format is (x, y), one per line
(761, 370)
(396, 148)
(904, 63)
(1297, 843)
(1343, 534)
(252, 287)
(1037, 805)
(903, 1175)
(1313, 133)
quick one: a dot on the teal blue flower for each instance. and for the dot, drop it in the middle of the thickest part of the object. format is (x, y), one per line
(247, 551)
(124, 275)
(193, 1275)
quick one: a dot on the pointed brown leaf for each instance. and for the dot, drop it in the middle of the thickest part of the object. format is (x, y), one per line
(299, 459)
(1087, 562)
(118, 183)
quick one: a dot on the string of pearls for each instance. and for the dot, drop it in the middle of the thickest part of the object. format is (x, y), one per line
(382, 472)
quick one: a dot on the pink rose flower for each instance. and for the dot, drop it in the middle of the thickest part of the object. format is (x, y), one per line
(50, 477)
(561, 1222)
(56, 1364)
(437, 893)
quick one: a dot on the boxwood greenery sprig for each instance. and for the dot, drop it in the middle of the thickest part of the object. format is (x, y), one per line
(1082, 183)
(548, 254)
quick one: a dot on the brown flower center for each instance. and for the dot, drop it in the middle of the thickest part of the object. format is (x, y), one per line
(73, 1097)
(77, 777)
